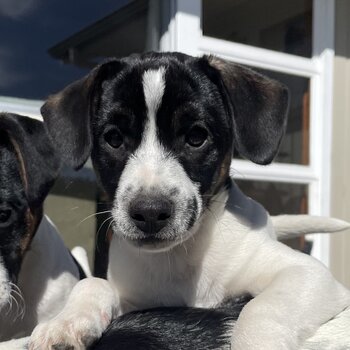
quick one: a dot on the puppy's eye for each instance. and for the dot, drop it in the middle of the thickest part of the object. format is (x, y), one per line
(113, 138)
(196, 136)
(5, 215)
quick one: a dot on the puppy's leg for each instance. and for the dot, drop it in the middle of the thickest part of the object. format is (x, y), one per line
(89, 310)
(333, 335)
(292, 303)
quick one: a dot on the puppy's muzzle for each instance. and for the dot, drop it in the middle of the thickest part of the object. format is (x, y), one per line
(150, 213)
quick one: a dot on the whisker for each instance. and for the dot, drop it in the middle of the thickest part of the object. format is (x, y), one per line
(94, 214)
(21, 305)
(99, 230)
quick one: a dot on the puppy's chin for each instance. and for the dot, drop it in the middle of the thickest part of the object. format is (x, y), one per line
(152, 245)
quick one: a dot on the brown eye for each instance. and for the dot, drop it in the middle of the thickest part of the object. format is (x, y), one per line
(197, 136)
(5, 215)
(113, 138)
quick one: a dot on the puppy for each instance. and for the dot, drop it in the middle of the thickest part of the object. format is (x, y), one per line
(161, 128)
(37, 271)
(199, 328)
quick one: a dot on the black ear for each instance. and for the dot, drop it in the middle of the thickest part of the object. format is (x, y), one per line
(39, 163)
(67, 115)
(259, 107)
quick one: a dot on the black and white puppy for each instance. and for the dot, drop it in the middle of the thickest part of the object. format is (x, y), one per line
(37, 271)
(161, 128)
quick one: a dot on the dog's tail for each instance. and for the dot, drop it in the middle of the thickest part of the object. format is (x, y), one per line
(80, 256)
(291, 226)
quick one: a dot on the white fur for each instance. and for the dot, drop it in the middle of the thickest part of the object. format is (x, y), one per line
(15, 344)
(152, 170)
(48, 274)
(81, 257)
(5, 289)
(230, 254)
(291, 226)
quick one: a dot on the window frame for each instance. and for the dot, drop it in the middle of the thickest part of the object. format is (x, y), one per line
(181, 17)
(185, 18)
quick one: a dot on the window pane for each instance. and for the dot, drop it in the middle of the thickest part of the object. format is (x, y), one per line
(70, 203)
(284, 26)
(280, 198)
(295, 145)
(38, 36)
(277, 197)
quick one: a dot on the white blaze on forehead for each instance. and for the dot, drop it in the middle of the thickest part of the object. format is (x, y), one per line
(152, 168)
(153, 90)
(150, 154)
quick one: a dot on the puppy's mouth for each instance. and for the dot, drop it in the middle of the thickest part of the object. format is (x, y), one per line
(153, 244)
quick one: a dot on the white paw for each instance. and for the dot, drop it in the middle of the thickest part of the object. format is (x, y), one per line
(70, 331)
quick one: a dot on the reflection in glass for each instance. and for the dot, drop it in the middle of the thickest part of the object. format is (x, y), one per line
(295, 144)
(280, 198)
(38, 36)
(284, 26)
(71, 205)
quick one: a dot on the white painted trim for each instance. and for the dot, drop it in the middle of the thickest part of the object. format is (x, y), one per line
(276, 172)
(26, 107)
(261, 58)
(322, 114)
(184, 28)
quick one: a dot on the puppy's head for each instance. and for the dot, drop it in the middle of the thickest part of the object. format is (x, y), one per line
(28, 167)
(161, 128)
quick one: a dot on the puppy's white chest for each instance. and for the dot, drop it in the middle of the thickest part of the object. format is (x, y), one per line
(152, 280)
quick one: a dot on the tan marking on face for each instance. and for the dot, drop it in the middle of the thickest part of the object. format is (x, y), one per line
(32, 221)
(22, 168)
(221, 174)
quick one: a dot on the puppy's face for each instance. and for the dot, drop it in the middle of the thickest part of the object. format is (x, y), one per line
(161, 137)
(161, 134)
(20, 209)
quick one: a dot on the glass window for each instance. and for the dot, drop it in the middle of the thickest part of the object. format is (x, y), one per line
(294, 148)
(295, 144)
(277, 197)
(284, 26)
(38, 36)
(280, 198)
(71, 205)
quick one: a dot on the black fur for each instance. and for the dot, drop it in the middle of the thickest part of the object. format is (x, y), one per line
(260, 122)
(233, 103)
(13, 207)
(173, 328)
(41, 162)
(28, 167)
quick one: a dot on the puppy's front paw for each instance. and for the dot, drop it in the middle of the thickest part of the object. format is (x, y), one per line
(73, 331)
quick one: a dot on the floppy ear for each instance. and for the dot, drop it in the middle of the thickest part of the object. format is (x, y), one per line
(67, 115)
(38, 162)
(259, 107)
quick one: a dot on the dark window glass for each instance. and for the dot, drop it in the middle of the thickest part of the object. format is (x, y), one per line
(280, 25)
(295, 145)
(71, 205)
(38, 37)
(280, 198)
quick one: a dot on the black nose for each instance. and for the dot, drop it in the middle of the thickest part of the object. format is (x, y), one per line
(150, 214)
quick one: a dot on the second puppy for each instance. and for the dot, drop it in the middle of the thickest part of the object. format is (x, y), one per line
(37, 272)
